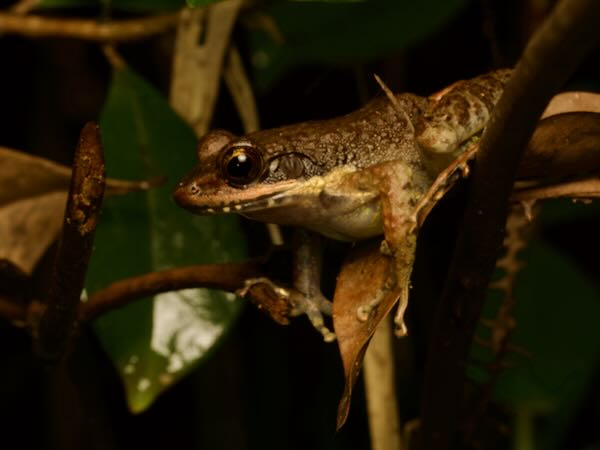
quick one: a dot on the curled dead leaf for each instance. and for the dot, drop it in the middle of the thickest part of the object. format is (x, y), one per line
(361, 279)
(573, 101)
(33, 195)
(563, 145)
(28, 226)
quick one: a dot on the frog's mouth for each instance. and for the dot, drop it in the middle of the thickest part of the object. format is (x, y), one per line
(228, 199)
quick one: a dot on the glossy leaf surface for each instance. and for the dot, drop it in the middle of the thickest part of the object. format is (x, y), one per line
(153, 342)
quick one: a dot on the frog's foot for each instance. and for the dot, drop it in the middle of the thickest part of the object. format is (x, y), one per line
(364, 311)
(445, 180)
(314, 306)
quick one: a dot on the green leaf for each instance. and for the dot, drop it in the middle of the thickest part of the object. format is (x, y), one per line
(343, 33)
(556, 313)
(154, 342)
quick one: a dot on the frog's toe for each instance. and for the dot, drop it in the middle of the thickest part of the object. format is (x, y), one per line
(314, 307)
(363, 312)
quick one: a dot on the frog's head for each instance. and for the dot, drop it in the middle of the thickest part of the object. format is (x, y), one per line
(258, 177)
(243, 175)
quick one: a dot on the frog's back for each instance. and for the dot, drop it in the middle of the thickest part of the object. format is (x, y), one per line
(375, 133)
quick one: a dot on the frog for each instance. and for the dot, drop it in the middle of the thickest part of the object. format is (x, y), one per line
(351, 178)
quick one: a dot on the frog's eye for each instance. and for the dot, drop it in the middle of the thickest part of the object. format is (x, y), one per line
(241, 165)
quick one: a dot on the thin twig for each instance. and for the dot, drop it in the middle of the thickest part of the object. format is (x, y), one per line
(75, 245)
(113, 56)
(240, 88)
(554, 52)
(227, 277)
(89, 30)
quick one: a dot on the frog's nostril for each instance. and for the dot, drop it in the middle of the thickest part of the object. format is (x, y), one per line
(183, 192)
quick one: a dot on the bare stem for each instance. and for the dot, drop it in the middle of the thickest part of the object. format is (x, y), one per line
(75, 245)
(89, 30)
(380, 390)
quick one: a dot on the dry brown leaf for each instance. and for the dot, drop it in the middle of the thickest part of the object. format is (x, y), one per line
(361, 278)
(572, 102)
(33, 193)
(23, 175)
(28, 226)
(566, 144)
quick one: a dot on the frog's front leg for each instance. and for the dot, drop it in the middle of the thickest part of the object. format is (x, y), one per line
(307, 297)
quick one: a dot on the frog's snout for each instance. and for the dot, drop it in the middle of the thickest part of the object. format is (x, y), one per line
(184, 192)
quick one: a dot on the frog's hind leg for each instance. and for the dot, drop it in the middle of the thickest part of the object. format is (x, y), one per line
(307, 298)
(399, 195)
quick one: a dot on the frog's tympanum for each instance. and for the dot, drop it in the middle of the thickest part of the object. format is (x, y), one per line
(348, 178)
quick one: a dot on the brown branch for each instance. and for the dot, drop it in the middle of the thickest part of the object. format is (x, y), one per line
(228, 277)
(75, 245)
(552, 55)
(113, 56)
(89, 30)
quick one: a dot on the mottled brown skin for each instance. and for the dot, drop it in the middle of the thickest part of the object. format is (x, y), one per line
(349, 178)
(363, 138)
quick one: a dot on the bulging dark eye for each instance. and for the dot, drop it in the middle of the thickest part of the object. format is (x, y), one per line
(241, 165)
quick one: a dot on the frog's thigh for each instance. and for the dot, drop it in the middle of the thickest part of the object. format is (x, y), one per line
(399, 196)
